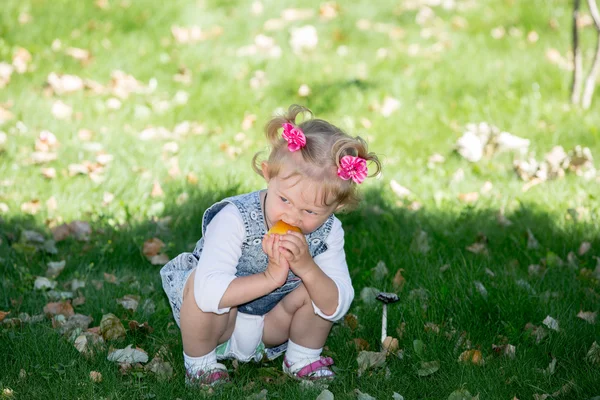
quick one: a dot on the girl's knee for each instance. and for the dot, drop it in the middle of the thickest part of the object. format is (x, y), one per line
(296, 300)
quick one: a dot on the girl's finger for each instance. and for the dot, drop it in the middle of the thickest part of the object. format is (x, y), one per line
(290, 245)
(287, 254)
(265, 243)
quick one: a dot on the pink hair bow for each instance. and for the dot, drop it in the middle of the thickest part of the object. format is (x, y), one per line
(294, 136)
(354, 168)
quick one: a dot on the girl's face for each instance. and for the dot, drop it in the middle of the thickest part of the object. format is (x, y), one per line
(295, 201)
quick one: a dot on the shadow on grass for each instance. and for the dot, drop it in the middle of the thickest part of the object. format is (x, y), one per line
(452, 300)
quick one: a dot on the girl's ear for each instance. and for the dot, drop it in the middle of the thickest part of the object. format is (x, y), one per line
(265, 170)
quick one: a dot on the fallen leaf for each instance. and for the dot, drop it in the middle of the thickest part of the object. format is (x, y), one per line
(390, 345)
(129, 302)
(468, 198)
(360, 344)
(59, 308)
(431, 327)
(88, 342)
(584, 248)
(370, 360)
(95, 376)
(428, 368)
(363, 396)
(128, 355)
(473, 356)
(462, 394)
(481, 289)
(162, 369)
(325, 395)
(420, 242)
(588, 316)
(42, 283)
(156, 190)
(152, 247)
(111, 327)
(538, 332)
(551, 323)
(144, 328)
(3, 315)
(159, 259)
(399, 280)
(507, 350)
(593, 354)
(380, 271)
(351, 321)
(399, 190)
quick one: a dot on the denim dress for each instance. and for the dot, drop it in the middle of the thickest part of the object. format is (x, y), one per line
(252, 261)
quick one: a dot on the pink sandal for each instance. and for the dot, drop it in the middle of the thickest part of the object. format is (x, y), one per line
(314, 371)
(214, 375)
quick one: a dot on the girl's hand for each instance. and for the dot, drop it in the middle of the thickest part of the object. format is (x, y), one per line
(278, 266)
(294, 248)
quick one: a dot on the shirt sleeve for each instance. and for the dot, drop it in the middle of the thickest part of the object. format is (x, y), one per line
(219, 259)
(333, 263)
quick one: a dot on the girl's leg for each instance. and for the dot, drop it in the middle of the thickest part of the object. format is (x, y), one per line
(201, 332)
(294, 318)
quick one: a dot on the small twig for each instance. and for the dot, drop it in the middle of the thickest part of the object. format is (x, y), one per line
(576, 84)
(590, 81)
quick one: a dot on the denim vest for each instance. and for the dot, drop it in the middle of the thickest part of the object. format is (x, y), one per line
(253, 259)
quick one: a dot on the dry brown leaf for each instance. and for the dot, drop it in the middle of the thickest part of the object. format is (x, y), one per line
(360, 344)
(469, 198)
(351, 321)
(110, 278)
(399, 280)
(3, 315)
(156, 190)
(95, 376)
(31, 207)
(152, 247)
(390, 345)
(59, 308)
(79, 230)
(473, 356)
(144, 328)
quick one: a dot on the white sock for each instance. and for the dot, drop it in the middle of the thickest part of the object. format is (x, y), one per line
(296, 353)
(195, 364)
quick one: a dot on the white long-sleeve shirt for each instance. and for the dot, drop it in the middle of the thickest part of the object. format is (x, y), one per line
(222, 249)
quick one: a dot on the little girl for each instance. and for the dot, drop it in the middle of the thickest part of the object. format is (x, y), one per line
(244, 293)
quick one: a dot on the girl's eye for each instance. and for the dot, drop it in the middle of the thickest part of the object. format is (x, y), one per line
(283, 199)
(311, 212)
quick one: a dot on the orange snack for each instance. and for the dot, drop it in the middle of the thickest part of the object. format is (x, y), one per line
(281, 228)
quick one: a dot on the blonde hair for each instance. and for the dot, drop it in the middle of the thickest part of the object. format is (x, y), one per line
(326, 144)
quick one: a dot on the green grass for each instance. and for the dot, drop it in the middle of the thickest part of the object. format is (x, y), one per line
(506, 82)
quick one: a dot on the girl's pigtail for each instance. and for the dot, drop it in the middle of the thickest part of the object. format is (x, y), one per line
(275, 124)
(272, 130)
(357, 147)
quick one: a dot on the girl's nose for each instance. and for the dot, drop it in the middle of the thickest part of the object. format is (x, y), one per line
(291, 219)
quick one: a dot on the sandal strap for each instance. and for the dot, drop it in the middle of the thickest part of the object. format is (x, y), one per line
(322, 363)
(214, 374)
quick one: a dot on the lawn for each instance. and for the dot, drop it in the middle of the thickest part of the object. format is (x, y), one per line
(121, 121)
